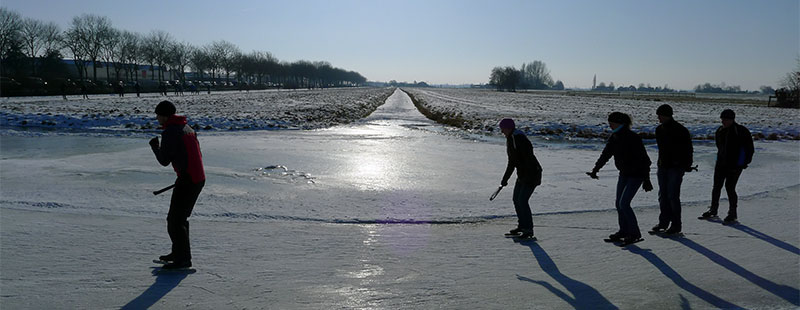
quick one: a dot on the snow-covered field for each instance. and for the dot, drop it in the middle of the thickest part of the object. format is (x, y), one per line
(231, 110)
(385, 212)
(576, 116)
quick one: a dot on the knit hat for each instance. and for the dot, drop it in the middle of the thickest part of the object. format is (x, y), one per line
(165, 108)
(727, 114)
(507, 123)
(619, 118)
(664, 110)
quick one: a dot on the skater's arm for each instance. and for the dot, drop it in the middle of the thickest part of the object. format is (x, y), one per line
(605, 155)
(166, 151)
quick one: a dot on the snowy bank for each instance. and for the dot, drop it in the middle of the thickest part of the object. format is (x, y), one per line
(555, 114)
(256, 110)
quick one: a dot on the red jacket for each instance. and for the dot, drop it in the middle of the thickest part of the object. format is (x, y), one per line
(180, 147)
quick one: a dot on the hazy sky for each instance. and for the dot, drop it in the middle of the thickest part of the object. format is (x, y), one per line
(679, 43)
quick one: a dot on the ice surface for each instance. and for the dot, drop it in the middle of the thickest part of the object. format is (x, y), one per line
(390, 211)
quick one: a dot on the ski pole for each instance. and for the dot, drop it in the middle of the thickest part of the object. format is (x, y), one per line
(163, 189)
(495, 193)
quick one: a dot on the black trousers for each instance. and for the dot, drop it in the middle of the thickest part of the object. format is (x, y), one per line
(522, 193)
(729, 177)
(184, 196)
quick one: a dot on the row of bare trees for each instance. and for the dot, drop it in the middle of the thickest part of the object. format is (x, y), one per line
(93, 42)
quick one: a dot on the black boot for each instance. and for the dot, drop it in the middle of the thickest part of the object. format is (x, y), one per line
(167, 258)
(178, 265)
(709, 214)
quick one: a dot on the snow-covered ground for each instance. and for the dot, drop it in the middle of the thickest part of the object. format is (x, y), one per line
(570, 116)
(387, 212)
(229, 110)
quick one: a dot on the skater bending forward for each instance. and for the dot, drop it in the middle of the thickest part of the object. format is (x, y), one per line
(529, 175)
(631, 159)
(180, 147)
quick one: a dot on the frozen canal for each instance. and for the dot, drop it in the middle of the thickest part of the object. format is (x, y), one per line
(313, 220)
(393, 166)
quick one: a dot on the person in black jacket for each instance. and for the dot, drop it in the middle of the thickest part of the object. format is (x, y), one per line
(674, 159)
(734, 152)
(529, 175)
(631, 158)
(179, 147)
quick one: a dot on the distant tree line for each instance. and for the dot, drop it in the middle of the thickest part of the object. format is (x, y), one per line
(29, 47)
(534, 75)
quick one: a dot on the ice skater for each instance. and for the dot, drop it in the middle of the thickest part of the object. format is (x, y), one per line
(180, 147)
(529, 175)
(734, 152)
(674, 159)
(630, 157)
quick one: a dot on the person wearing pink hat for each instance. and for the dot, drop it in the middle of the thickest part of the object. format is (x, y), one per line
(529, 175)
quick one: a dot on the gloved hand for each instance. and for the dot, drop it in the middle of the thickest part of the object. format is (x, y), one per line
(504, 183)
(592, 175)
(154, 143)
(690, 168)
(647, 186)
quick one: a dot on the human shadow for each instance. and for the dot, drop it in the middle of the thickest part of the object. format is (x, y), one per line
(165, 282)
(767, 238)
(680, 281)
(788, 293)
(583, 295)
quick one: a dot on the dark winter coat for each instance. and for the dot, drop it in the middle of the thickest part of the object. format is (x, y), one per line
(674, 145)
(180, 147)
(629, 154)
(521, 158)
(734, 146)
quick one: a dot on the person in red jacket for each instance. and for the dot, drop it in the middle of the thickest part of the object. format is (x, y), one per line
(179, 146)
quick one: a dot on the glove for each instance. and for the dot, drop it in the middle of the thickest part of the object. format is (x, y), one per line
(504, 183)
(592, 175)
(154, 142)
(690, 168)
(647, 186)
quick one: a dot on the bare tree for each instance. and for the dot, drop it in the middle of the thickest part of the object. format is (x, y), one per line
(10, 26)
(199, 60)
(52, 38)
(156, 51)
(127, 51)
(225, 54)
(535, 75)
(110, 52)
(181, 57)
(92, 31)
(73, 42)
(32, 36)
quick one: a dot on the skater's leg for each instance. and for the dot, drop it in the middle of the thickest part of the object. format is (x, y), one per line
(629, 222)
(731, 179)
(674, 180)
(621, 183)
(664, 203)
(716, 190)
(522, 195)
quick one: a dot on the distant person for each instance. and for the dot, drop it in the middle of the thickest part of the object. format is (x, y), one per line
(180, 147)
(734, 152)
(529, 175)
(674, 159)
(630, 158)
(121, 89)
(162, 88)
(84, 95)
(208, 87)
(138, 88)
(64, 89)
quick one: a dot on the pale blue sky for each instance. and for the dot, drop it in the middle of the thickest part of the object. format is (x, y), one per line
(679, 43)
